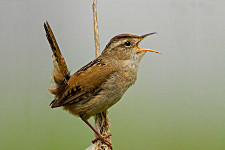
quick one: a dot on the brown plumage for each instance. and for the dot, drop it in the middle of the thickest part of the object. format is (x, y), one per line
(78, 87)
(102, 82)
(60, 73)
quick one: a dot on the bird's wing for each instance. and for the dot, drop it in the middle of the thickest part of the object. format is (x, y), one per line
(85, 83)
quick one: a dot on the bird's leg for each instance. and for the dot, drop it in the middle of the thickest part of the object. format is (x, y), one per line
(100, 137)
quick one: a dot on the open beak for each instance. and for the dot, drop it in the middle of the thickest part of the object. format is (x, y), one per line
(143, 37)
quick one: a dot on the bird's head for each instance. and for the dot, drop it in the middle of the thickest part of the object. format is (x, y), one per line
(125, 47)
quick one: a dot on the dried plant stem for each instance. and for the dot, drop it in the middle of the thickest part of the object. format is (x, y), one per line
(96, 35)
(102, 121)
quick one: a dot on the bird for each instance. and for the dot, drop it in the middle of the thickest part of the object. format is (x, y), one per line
(101, 83)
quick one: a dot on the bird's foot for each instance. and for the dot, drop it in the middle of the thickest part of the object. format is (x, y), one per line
(103, 139)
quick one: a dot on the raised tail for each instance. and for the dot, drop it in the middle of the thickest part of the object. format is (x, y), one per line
(60, 72)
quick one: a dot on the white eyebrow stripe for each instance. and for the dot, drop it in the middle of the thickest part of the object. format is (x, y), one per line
(115, 44)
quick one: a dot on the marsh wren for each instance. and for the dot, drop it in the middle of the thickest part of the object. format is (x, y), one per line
(102, 82)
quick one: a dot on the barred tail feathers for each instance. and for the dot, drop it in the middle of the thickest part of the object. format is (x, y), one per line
(60, 73)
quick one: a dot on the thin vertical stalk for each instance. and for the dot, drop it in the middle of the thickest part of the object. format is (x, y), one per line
(102, 121)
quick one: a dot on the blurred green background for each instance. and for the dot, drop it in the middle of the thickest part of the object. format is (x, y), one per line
(177, 103)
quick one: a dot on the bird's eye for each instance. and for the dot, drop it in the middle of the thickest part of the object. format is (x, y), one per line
(127, 43)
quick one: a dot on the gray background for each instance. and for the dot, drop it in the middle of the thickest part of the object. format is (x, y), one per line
(177, 102)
